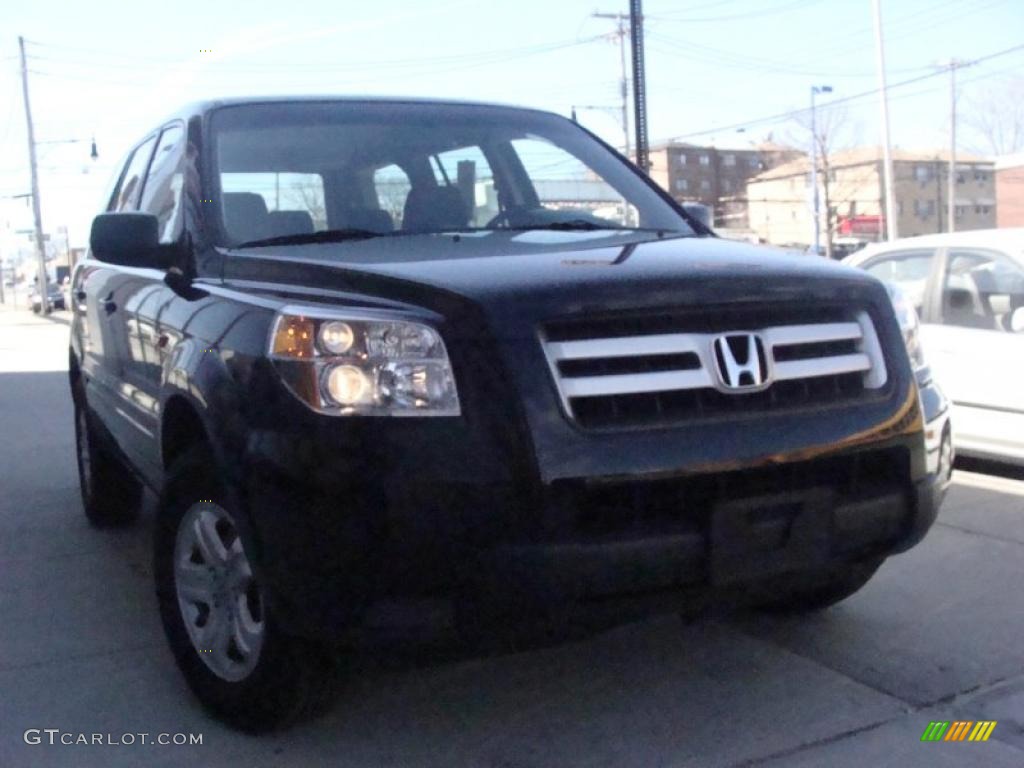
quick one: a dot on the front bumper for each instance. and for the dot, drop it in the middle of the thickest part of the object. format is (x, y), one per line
(346, 515)
(330, 557)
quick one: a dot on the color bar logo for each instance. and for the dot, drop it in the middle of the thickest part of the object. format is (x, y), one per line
(958, 730)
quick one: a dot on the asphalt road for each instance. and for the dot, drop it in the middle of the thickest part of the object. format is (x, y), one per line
(937, 635)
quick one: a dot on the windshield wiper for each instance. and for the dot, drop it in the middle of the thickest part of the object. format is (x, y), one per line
(323, 236)
(572, 225)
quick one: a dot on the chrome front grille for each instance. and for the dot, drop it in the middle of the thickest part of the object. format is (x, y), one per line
(613, 379)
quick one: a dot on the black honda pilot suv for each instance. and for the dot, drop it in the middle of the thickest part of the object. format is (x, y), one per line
(392, 352)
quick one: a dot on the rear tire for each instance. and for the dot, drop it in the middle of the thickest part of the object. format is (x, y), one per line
(254, 676)
(111, 495)
(807, 593)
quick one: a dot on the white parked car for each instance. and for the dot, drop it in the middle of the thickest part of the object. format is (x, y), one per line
(968, 289)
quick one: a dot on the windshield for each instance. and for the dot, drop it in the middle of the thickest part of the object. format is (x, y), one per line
(362, 168)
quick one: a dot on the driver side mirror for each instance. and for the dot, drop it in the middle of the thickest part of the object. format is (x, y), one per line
(1017, 320)
(129, 239)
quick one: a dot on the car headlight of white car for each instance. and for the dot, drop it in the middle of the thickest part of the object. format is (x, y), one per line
(350, 364)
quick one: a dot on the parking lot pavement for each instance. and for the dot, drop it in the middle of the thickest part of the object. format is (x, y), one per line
(935, 636)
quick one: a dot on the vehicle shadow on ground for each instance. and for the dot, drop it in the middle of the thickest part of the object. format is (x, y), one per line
(988, 467)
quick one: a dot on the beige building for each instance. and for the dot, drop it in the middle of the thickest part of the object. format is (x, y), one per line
(852, 196)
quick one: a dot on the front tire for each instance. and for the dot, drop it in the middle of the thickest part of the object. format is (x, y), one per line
(236, 657)
(111, 495)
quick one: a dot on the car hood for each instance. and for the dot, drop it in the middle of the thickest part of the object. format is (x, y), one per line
(549, 274)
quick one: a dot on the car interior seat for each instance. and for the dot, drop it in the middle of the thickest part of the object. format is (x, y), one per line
(245, 216)
(433, 208)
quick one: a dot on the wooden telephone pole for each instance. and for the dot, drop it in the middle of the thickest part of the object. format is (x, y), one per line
(36, 209)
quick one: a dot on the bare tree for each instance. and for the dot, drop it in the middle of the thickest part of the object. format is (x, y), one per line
(392, 194)
(995, 117)
(307, 196)
(833, 132)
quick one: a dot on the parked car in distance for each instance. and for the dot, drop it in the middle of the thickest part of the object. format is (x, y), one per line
(54, 298)
(363, 359)
(968, 290)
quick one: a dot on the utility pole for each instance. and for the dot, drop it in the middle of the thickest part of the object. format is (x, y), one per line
(815, 90)
(951, 183)
(620, 32)
(892, 231)
(636, 36)
(36, 210)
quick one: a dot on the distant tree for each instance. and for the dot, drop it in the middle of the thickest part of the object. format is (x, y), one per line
(995, 118)
(306, 196)
(834, 132)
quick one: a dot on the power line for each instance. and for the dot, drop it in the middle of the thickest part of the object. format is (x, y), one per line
(785, 8)
(703, 53)
(835, 102)
(469, 59)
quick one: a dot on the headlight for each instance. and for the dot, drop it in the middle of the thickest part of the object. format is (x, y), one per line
(351, 365)
(906, 315)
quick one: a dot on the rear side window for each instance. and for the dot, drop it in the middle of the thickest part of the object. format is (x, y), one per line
(268, 204)
(981, 289)
(126, 198)
(391, 185)
(161, 194)
(467, 168)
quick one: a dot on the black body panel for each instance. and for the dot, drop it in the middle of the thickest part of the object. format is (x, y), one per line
(347, 510)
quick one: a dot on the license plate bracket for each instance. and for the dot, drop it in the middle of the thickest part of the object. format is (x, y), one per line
(768, 534)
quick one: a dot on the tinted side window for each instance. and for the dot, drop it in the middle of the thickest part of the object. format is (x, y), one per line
(981, 289)
(468, 169)
(270, 204)
(127, 198)
(392, 187)
(161, 194)
(907, 269)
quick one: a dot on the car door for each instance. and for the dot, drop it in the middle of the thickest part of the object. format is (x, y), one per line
(99, 292)
(974, 351)
(142, 300)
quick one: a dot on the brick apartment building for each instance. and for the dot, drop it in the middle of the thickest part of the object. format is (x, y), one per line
(1010, 190)
(715, 177)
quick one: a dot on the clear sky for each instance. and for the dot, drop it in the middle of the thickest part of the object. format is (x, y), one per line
(110, 69)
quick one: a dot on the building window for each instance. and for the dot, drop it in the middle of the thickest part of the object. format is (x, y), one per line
(924, 208)
(753, 162)
(959, 211)
(729, 160)
(682, 158)
(705, 185)
(960, 178)
(727, 185)
(923, 172)
(705, 159)
(980, 176)
(682, 185)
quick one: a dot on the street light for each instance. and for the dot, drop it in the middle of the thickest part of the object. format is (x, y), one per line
(815, 90)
